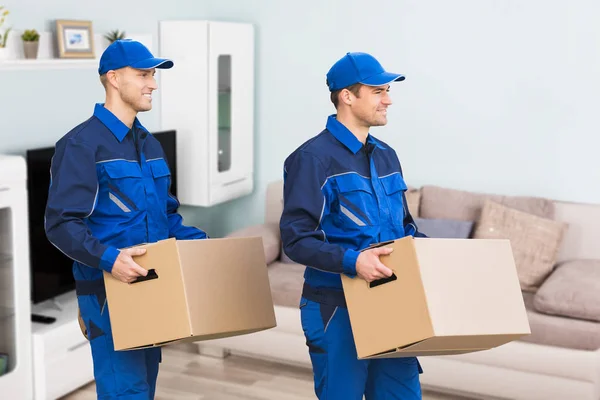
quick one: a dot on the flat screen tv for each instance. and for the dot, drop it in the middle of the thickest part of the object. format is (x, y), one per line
(51, 270)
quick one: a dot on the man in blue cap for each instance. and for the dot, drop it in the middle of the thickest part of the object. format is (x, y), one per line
(343, 191)
(109, 190)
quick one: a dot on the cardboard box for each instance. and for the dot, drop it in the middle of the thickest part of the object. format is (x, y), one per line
(450, 296)
(201, 289)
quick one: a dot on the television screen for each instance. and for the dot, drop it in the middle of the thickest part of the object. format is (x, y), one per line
(168, 141)
(51, 270)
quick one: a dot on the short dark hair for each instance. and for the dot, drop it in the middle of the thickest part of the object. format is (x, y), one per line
(335, 95)
(104, 80)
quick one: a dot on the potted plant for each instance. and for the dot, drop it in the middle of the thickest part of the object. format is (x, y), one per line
(31, 42)
(3, 36)
(112, 36)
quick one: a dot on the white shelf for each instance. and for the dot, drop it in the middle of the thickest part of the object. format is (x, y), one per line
(52, 63)
(47, 56)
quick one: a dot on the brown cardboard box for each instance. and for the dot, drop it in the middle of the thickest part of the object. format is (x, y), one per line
(205, 289)
(450, 296)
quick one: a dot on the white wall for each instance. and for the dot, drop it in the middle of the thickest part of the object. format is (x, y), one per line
(500, 96)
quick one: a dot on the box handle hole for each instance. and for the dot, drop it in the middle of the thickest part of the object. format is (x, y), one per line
(151, 275)
(383, 281)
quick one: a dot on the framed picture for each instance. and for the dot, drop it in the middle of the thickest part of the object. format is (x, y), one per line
(75, 39)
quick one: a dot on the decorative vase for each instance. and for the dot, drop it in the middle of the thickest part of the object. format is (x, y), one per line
(3, 53)
(30, 49)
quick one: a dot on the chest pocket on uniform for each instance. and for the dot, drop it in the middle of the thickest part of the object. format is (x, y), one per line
(357, 202)
(394, 187)
(124, 180)
(162, 177)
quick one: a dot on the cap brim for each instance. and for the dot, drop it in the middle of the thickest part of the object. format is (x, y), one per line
(153, 63)
(382, 79)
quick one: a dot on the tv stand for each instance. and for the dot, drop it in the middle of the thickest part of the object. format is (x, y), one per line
(62, 359)
(56, 304)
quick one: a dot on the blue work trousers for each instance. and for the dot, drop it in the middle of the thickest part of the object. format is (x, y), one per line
(339, 374)
(122, 375)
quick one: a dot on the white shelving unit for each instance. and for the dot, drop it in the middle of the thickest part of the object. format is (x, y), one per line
(15, 306)
(208, 98)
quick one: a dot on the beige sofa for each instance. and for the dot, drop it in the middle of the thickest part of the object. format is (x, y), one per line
(559, 360)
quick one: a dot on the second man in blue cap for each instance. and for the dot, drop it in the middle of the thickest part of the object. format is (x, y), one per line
(343, 191)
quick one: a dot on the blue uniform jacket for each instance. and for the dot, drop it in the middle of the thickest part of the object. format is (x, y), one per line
(109, 189)
(341, 196)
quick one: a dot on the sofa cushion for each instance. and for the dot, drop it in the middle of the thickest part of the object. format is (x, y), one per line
(558, 331)
(444, 228)
(572, 290)
(286, 283)
(438, 202)
(535, 241)
(270, 237)
(284, 257)
(413, 200)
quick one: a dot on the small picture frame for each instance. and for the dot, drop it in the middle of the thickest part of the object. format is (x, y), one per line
(75, 39)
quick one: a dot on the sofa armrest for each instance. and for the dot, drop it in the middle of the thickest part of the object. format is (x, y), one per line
(270, 236)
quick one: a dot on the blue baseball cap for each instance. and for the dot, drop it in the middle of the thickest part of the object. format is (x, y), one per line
(129, 53)
(359, 68)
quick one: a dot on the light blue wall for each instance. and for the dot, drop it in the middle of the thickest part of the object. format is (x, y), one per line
(500, 96)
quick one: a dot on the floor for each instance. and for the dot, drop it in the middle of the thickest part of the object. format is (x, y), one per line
(186, 376)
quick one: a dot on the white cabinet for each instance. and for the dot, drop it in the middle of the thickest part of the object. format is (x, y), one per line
(58, 353)
(208, 98)
(62, 356)
(15, 305)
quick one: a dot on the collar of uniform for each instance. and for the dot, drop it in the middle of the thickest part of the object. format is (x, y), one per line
(114, 124)
(371, 139)
(341, 133)
(347, 138)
